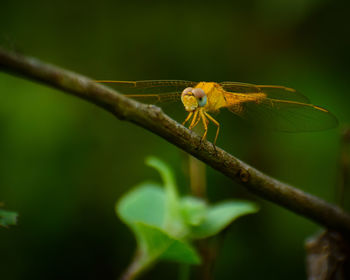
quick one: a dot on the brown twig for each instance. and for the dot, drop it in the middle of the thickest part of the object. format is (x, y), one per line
(152, 118)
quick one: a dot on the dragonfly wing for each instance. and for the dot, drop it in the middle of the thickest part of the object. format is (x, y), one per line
(156, 98)
(285, 115)
(152, 91)
(237, 87)
(273, 92)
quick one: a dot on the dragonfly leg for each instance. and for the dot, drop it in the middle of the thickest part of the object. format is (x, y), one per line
(205, 124)
(194, 120)
(197, 121)
(187, 118)
(216, 123)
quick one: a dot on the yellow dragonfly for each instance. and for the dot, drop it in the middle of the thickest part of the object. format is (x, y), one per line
(278, 107)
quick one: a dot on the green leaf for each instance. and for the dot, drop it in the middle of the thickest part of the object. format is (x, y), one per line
(173, 222)
(220, 216)
(163, 223)
(143, 210)
(193, 210)
(146, 204)
(8, 218)
(160, 245)
(153, 213)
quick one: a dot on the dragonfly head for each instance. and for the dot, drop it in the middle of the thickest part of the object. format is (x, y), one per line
(192, 98)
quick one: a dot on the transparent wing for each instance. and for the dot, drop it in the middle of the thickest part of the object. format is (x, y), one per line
(152, 91)
(285, 115)
(274, 92)
(151, 98)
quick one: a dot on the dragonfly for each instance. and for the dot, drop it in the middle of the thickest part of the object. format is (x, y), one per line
(277, 107)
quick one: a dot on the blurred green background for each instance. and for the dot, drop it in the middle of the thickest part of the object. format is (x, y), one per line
(65, 162)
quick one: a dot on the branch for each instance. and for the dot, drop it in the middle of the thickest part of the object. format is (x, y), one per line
(152, 118)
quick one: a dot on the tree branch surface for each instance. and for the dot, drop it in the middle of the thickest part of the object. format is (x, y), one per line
(153, 119)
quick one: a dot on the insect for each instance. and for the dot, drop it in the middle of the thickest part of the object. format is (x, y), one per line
(278, 107)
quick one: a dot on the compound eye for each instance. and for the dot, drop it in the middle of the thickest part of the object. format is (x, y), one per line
(201, 97)
(186, 90)
(198, 93)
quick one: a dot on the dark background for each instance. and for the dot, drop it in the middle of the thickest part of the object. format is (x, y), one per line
(64, 162)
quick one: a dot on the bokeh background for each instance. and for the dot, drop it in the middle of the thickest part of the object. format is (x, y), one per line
(64, 162)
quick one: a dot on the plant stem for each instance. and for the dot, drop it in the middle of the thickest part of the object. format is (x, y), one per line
(198, 180)
(134, 269)
(184, 272)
